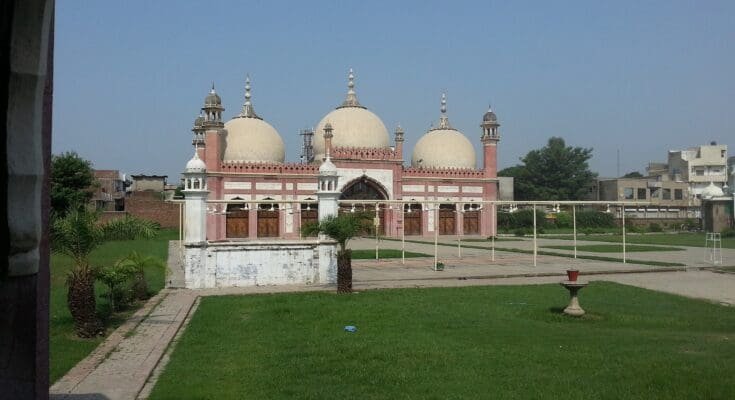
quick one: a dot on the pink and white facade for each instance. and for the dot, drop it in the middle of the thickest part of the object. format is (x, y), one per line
(245, 161)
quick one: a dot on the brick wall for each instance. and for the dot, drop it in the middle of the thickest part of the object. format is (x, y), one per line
(150, 205)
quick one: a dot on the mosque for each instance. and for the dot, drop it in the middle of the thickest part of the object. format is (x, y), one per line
(243, 159)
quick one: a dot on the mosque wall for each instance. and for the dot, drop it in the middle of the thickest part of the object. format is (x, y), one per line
(256, 263)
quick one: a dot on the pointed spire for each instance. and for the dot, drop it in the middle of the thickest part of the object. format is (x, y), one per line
(351, 100)
(444, 120)
(247, 108)
(212, 91)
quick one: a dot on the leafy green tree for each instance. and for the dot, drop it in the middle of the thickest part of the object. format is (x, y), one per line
(114, 277)
(554, 172)
(72, 182)
(634, 174)
(76, 234)
(341, 228)
(137, 263)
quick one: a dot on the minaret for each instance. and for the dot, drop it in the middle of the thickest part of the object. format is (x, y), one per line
(213, 110)
(195, 201)
(327, 193)
(490, 138)
(198, 130)
(399, 141)
(328, 139)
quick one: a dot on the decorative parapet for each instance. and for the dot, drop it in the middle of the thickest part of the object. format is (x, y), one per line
(444, 172)
(364, 153)
(269, 168)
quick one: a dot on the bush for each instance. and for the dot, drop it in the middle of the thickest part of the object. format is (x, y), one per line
(595, 219)
(654, 227)
(564, 220)
(521, 219)
(634, 229)
(520, 232)
(727, 233)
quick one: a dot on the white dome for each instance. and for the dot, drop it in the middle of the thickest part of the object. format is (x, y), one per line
(352, 127)
(444, 148)
(196, 164)
(251, 139)
(712, 191)
(328, 168)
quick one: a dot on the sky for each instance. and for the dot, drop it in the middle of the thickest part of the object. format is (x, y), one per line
(629, 79)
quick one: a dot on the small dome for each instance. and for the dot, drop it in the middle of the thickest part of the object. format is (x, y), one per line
(712, 191)
(252, 140)
(490, 116)
(328, 168)
(212, 98)
(199, 121)
(444, 148)
(196, 165)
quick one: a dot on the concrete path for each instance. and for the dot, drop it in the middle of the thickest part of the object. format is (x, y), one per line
(127, 364)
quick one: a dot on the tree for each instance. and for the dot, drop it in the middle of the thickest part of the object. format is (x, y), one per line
(341, 228)
(634, 174)
(76, 234)
(554, 172)
(136, 263)
(72, 181)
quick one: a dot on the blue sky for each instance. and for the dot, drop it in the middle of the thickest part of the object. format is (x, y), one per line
(638, 77)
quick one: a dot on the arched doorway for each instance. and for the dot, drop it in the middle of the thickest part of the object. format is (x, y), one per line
(268, 220)
(309, 213)
(447, 219)
(237, 221)
(471, 220)
(364, 188)
(412, 219)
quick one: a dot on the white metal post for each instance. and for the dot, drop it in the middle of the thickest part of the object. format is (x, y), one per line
(459, 240)
(495, 229)
(403, 233)
(574, 227)
(534, 234)
(436, 237)
(376, 223)
(623, 208)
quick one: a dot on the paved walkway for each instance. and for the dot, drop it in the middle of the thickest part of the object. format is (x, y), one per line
(125, 366)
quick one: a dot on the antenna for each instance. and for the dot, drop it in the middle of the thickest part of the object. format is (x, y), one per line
(618, 163)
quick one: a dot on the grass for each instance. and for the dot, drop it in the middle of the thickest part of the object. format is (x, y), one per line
(614, 248)
(66, 349)
(455, 343)
(384, 253)
(670, 239)
(497, 239)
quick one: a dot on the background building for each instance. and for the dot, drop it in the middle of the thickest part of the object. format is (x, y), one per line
(698, 166)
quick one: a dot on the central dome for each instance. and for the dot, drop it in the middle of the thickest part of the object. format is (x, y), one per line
(353, 124)
(250, 139)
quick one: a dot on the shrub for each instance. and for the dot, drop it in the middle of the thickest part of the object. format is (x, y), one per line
(654, 227)
(521, 219)
(634, 229)
(728, 233)
(594, 219)
(564, 220)
(519, 232)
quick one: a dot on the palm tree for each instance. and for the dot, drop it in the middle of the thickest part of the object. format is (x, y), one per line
(341, 228)
(76, 235)
(136, 263)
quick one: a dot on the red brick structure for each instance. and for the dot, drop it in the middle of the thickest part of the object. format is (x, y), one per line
(151, 206)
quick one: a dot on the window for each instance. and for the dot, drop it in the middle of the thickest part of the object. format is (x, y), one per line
(655, 193)
(722, 153)
(667, 194)
(628, 193)
(641, 193)
(678, 194)
(700, 172)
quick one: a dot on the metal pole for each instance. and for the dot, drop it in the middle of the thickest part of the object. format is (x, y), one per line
(495, 228)
(436, 237)
(534, 235)
(403, 233)
(459, 240)
(376, 223)
(574, 226)
(623, 208)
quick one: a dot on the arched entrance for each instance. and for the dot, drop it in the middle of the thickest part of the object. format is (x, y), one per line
(309, 213)
(471, 220)
(412, 219)
(364, 188)
(447, 219)
(268, 220)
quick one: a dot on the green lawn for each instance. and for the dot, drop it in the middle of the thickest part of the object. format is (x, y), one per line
(614, 248)
(670, 239)
(66, 349)
(455, 343)
(384, 253)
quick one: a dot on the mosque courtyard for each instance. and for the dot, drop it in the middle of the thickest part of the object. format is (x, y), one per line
(478, 329)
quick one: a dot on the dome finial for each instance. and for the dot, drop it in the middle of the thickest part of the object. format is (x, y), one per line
(444, 120)
(247, 108)
(212, 91)
(351, 100)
